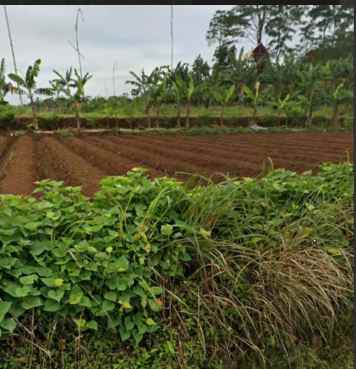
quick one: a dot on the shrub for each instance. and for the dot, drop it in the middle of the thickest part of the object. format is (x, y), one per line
(7, 117)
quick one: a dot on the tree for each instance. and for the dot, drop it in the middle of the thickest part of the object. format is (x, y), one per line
(79, 83)
(223, 97)
(339, 96)
(281, 28)
(253, 96)
(178, 91)
(308, 84)
(200, 70)
(147, 86)
(62, 84)
(273, 25)
(325, 22)
(27, 85)
(183, 92)
(224, 57)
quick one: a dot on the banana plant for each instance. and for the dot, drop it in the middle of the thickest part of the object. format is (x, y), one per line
(189, 91)
(178, 91)
(281, 105)
(145, 86)
(223, 97)
(339, 96)
(62, 84)
(27, 85)
(78, 83)
(309, 84)
(253, 96)
(5, 87)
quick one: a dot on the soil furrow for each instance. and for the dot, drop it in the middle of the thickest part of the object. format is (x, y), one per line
(58, 162)
(20, 169)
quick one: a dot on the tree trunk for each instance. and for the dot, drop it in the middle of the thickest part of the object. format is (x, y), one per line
(77, 115)
(310, 109)
(335, 116)
(178, 116)
(34, 113)
(148, 115)
(222, 116)
(254, 113)
(279, 118)
(158, 113)
(187, 122)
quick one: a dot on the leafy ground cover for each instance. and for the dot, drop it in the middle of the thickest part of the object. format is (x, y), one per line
(247, 273)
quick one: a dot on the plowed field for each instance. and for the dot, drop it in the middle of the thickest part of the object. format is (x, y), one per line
(86, 159)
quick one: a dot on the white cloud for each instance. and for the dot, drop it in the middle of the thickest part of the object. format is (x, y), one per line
(135, 37)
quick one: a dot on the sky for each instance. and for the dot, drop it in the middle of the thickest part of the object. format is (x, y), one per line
(134, 37)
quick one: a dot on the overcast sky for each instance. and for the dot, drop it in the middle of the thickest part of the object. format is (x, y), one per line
(135, 37)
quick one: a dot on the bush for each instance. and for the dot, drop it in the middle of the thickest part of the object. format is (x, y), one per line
(7, 117)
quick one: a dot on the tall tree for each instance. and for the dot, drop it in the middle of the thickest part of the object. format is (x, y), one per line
(281, 28)
(325, 22)
(200, 70)
(272, 25)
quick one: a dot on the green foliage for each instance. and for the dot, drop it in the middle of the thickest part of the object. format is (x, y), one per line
(93, 262)
(7, 116)
(230, 260)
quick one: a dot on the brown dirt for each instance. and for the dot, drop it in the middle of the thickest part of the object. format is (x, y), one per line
(19, 172)
(84, 160)
(60, 163)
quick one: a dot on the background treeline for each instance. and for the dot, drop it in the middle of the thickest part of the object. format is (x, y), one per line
(301, 62)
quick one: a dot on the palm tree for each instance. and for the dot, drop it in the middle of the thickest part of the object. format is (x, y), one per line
(27, 85)
(79, 83)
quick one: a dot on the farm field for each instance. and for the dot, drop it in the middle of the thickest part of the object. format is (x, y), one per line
(86, 159)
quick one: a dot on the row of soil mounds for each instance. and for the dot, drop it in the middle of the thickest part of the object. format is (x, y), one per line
(58, 122)
(84, 160)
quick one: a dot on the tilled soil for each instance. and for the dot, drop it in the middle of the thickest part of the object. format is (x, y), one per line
(85, 160)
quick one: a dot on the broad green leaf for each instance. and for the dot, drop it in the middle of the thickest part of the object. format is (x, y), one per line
(51, 306)
(111, 296)
(85, 301)
(56, 294)
(7, 262)
(53, 282)
(16, 290)
(4, 308)
(75, 295)
(32, 226)
(28, 280)
(8, 324)
(92, 324)
(31, 302)
(107, 306)
(39, 247)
